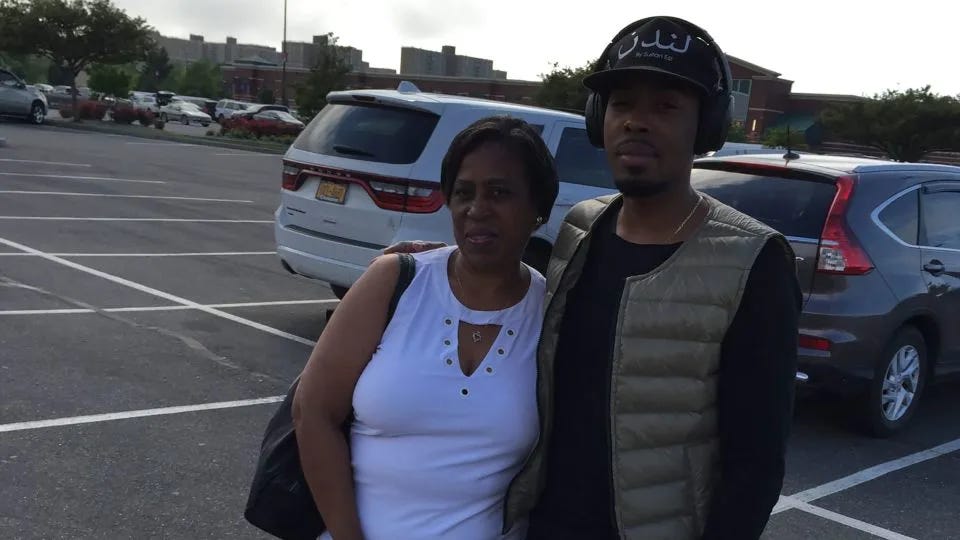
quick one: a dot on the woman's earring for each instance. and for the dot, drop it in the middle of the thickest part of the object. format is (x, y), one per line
(539, 220)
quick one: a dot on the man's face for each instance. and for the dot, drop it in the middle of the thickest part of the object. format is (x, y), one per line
(649, 132)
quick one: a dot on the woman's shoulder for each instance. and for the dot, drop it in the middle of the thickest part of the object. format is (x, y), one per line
(434, 256)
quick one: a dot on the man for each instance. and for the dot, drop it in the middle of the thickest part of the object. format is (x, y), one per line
(668, 351)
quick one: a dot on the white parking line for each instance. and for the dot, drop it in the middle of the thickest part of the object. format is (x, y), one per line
(116, 196)
(78, 311)
(147, 220)
(71, 177)
(58, 163)
(209, 254)
(850, 522)
(93, 418)
(158, 293)
(865, 475)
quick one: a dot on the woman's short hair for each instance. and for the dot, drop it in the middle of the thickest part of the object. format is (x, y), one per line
(518, 137)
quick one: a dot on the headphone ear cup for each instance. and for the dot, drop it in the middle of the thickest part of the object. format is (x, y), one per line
(714, 125)
(593, 114)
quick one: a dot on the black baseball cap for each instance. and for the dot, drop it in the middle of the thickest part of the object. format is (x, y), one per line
(662, 46)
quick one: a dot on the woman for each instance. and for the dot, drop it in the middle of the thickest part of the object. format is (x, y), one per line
(443, 394)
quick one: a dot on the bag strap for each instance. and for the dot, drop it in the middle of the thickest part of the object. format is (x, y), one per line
(408, 267)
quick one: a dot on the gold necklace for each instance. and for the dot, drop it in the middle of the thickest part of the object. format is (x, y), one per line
(477, 336)
(690, 215)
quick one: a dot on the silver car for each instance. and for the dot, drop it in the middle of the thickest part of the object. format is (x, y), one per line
(16, 99)
(185, 112)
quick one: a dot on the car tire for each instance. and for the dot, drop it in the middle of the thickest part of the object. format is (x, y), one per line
(163, 117)
(205, 124)
(38, 113)
(899, 380)
(220, 119)
(184, 120)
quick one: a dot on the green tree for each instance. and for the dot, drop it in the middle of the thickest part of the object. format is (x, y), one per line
(563, 88)
(201, 79)
(28, 67)
(737, 133)
(72, 33)
(266, 96)
(906, 125)
(155, 70)
(329, 73)
(110, 80)
(784, 138)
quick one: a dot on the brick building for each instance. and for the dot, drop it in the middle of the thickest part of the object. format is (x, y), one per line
(762, 98)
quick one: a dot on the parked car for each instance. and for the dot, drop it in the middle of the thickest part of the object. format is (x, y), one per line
(365, 174)
(878, 257)
(145, 102)
(278, 117)
(184, 112)
(16, 99)
(257, 108)
(226, 108)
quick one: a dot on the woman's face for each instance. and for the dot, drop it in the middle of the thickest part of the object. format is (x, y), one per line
(492, 207)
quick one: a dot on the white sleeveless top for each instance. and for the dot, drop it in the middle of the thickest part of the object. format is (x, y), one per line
(434, 450)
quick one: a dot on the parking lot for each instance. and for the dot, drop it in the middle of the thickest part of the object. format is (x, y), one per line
(147, 331)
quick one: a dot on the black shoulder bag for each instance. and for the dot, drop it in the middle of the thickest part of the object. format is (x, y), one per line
(280, 501)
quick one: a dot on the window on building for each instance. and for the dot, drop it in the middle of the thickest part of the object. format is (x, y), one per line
(741, 85)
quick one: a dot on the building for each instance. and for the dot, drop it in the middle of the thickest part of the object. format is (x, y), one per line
(764, 100)
(194, 49)
(446, 63)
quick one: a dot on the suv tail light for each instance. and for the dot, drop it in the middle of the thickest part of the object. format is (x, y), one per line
(840, 252)
(397, 194)
(812, 342)
(292, 179)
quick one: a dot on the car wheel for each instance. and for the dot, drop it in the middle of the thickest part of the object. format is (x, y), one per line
(339, 291)
(205, 124)
(184, 120)
(899, 380)
(37, 114)
(163, 117)
(220, 119)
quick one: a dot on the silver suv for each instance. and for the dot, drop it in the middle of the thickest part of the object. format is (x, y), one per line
(18, 100)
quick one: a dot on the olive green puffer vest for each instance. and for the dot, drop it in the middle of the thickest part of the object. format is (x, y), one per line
(663, 418)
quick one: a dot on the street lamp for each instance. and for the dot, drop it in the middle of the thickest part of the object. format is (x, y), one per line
(283, 73)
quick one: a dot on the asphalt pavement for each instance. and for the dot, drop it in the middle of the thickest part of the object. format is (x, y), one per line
(147, 328)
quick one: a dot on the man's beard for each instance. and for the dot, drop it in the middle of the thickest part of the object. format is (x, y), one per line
(640, 188)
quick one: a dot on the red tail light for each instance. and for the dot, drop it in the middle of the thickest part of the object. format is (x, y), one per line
(840, 253)
(815, 343)
(292, 179)
(397, 194)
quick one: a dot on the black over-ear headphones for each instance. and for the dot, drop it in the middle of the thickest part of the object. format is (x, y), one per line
(715, 111)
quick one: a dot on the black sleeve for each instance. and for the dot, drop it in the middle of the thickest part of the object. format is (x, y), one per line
(758, 363)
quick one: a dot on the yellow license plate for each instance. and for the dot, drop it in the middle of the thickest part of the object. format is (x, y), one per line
(332, 192)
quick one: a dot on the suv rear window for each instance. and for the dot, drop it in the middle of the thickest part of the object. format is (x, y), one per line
(369, 133)
(794, 207)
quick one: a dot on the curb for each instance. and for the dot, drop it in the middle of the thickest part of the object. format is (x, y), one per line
(141, 132)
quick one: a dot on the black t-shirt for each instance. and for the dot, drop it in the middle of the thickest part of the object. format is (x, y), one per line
(755, 394)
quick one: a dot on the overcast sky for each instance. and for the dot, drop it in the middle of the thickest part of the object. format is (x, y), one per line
(830, 46)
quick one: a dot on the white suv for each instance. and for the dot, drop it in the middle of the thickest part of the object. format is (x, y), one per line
(365, 173)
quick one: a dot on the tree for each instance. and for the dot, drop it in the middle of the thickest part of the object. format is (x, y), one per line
(156, 70)
(266, 96)
(28, 67)
(110, 80)
(563, 88)
(72, 33)
(202, 79)
(906, 125)
(737, 133)
(329, 73)
(784, 138)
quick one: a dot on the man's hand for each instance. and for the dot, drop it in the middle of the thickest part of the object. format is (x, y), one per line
(412, 246)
